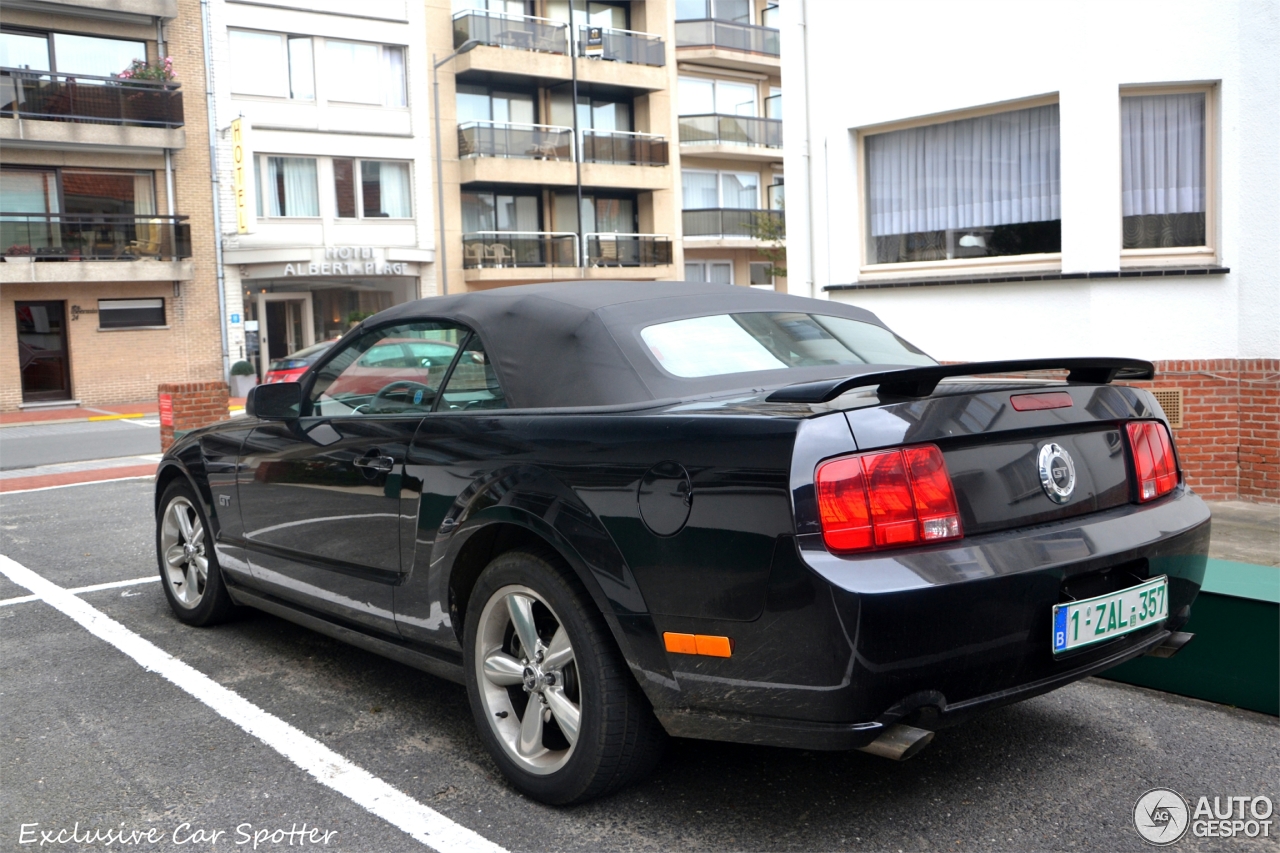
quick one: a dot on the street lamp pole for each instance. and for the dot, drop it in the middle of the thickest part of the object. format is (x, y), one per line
(442, 255)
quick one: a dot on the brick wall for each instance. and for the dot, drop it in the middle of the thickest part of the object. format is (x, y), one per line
(194, 404)
(1229, 442)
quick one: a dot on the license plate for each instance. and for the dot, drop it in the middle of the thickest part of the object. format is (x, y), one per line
(1082, 623)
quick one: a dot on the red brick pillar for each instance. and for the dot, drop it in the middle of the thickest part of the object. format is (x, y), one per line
(188, 405)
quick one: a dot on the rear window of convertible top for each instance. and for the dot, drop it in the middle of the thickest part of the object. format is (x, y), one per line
(741, 343)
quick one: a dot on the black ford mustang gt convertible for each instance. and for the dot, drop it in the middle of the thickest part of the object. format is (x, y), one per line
(621, 511)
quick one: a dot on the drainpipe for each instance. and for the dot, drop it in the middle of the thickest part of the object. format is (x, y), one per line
(577, 143)
(206, 26)
(808, 157)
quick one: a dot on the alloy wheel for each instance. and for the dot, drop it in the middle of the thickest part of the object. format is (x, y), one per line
(528, 679)
(186, 566)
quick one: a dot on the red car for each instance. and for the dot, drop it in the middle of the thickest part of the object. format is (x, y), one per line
(395, 359)
(292, 366)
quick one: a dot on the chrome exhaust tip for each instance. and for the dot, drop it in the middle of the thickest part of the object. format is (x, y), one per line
(1172, 645)
(899, 742)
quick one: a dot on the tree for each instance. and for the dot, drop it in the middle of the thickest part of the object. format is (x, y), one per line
(770, 228)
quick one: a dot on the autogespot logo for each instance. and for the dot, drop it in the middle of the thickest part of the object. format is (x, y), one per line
(1161, 816)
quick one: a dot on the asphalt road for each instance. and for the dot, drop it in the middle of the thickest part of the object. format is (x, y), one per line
(88, 735)
(46, 444)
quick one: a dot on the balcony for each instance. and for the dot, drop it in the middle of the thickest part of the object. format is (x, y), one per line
(144, 11)
(626, 46)
(622, 148)
(728, 45)
(517, 32)
(734, 137)
(627, 250)
(86, 247)
(515, 249)
(51, 108)
(724, 223)
(524, 141)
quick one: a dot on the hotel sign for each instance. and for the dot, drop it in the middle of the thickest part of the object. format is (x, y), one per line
(239, 175)
(348, 261)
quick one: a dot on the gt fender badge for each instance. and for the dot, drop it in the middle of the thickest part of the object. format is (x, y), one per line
(1057, 473)
(224, 500)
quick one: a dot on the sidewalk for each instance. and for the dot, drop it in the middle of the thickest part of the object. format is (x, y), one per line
(73, 414)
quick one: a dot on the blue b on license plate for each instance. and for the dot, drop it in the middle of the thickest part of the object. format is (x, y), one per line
(1082, 623)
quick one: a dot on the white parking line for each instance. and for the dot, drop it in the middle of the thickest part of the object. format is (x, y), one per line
(94, 588)
(328, 767)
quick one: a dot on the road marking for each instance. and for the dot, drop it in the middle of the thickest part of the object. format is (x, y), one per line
(117, 417)
(82, 589)
(91, 477)
(327, 766)
(332, 770)
(142, 422)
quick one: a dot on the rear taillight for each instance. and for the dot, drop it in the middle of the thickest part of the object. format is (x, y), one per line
(887, 499)
(1153, 463)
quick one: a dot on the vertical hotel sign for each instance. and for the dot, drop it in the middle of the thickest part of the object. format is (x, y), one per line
(239, 174)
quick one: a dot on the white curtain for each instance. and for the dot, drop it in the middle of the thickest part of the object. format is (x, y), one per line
(699, 190)
(993, 170)
(741, 190)
(300, 196)
(393, 60)
(144, 196)
(393, 185)
(1162, 154)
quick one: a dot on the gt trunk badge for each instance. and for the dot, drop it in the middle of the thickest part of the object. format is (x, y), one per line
(1057, 473)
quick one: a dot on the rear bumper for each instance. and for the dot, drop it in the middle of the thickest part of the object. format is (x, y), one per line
(847, 646)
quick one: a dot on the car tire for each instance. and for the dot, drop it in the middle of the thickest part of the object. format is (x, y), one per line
(576, 676)
(189, 571)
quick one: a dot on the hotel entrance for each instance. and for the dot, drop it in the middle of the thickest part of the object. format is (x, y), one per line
(43, 357)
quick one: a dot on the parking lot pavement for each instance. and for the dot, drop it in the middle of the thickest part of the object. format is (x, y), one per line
(91, 736)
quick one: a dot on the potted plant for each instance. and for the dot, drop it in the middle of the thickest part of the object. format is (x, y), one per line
(243, 377)
(17, 255)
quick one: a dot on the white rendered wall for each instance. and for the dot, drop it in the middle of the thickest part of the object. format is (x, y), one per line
(854, 64)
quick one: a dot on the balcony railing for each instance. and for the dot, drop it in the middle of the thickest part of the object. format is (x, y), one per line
(730, 130)
(725, 222)
(728, 35)
(94, 236)
(623, 148)
(518, 32)
(498, 249)
(627, 250)
(773, 106)
(626, 46)
(91, 100)
(524, 141)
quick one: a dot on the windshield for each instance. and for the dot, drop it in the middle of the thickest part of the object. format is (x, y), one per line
(742, 343)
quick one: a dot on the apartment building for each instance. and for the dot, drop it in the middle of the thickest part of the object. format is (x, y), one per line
(324, 169)
(108, 285)
(729, 103)
(1057, 179)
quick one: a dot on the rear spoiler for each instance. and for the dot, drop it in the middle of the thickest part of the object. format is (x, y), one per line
(921, 381)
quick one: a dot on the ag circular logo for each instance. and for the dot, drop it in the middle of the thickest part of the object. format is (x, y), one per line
(1057, 473)
(1161, 816)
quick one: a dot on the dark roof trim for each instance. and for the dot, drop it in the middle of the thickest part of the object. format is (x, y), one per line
(921, 381)
(1047, 276)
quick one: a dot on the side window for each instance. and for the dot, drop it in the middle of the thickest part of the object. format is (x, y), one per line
(474, 384)
(388, 371)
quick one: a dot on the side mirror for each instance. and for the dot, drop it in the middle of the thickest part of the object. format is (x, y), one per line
(276, 401)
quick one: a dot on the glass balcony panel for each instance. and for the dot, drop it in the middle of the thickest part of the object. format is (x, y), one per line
(621, 148)
(730, 130)
(88, 100)
(728, 36)
(94, 236)
(524, 141)
(499, 249)
(724, 222)
(515, 32)
(628, 250)
(626, 46)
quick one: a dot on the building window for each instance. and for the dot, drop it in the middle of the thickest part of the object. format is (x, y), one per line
(1163, 170)
(483, 103)
(130, 313)
(272, 64)
(977, 187)
(709, 272)
(360, 73)
(737, 11)
(708, 190)
(600, 214)
(69, 53)
(706, 96)
(486, 211)
(384, 189)
(760, 276)
(287, 186)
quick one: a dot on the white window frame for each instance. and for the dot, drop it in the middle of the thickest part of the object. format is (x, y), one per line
(320, 82)
(720, 173)
(709, 261)
(1042, 262)
(284, 85)
(715, 93)
(1181, 255)
(358, 180)
(385, 103)
(260, 169)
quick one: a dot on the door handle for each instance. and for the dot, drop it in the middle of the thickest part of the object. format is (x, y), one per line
(373, 461)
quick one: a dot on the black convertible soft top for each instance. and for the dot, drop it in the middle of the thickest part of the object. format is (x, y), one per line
(571, 344)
